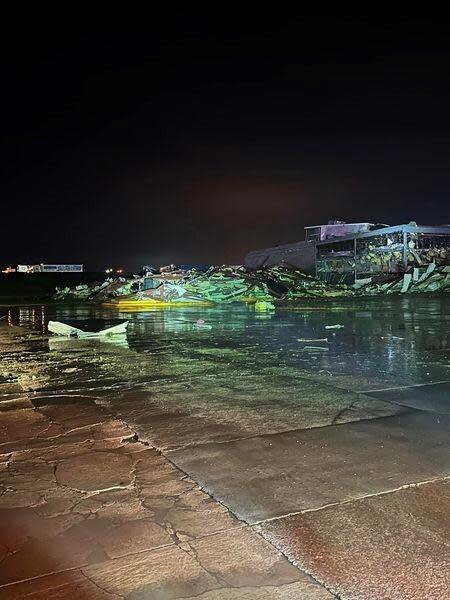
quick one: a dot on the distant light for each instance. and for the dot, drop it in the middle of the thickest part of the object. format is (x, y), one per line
(119, 271)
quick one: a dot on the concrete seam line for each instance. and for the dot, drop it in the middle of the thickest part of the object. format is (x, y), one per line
(402, 387)
(84, 566)
(241, 525)
(407, 410)
(357, 499)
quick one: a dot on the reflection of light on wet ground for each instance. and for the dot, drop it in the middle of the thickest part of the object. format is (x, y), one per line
(56, 343)
(403, 340)
(250, 413)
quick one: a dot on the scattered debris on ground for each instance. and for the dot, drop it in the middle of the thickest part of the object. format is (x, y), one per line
(65, 330)
(224, 285)
(219, 285)
(316, 348)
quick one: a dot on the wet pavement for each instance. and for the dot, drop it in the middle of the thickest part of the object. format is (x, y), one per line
(223, 453)
(394, 545)
(88, 511)
(307, 469)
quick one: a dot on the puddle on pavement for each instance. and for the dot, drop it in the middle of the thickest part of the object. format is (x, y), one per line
(240, 372)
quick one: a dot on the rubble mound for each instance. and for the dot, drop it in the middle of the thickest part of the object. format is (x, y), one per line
(224, 285)
(97, 290)
(219, 285)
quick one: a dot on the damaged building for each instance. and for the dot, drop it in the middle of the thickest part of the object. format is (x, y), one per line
(340, 252)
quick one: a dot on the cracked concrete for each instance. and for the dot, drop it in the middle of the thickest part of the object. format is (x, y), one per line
(89, 511)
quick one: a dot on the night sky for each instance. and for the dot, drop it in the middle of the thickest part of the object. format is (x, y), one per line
(205, 136)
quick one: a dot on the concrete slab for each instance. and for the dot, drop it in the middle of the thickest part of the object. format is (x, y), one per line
(274, 475)
(392, 546)
(86, 493)
(206, 412)
(431, 398)
(212, 567)
(232, 565)
(88, 511)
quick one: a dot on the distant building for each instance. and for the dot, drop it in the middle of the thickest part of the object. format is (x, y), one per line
(45, 268)
(28, 268)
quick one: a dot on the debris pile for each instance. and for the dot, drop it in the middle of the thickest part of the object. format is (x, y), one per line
(432, 280)
(218, 285)
(224, 285)
(98, 290)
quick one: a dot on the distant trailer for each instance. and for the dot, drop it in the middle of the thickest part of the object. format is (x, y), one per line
(49, 268)
(61, 268)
